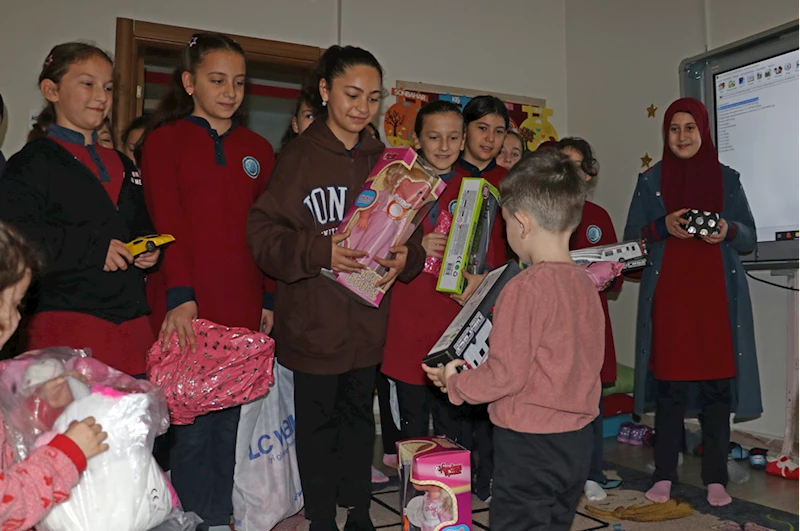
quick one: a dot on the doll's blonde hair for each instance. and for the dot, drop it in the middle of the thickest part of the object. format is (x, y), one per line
(391, 177)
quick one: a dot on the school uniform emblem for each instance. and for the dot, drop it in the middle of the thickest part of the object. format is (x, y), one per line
(452, 206)
(251, 167)
(593, 234)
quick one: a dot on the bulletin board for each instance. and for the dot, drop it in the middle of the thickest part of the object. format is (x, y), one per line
(529, 115)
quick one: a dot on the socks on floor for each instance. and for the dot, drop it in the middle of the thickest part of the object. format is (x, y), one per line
(659, 493)
(718, 496)
(359, 520)
(593, 491)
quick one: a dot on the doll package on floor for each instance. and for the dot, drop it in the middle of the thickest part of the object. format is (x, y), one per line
(435, 491)
(232, 366)
(395, 199)
(42, 392)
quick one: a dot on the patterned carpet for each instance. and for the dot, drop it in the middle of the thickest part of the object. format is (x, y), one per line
(738, 516)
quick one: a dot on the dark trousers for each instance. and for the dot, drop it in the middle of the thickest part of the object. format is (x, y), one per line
(476, 433)
(596, 467)
(202, 459)
(335, 437)
(418, 403)
(538, 479)
(389, 432)
(715, 400)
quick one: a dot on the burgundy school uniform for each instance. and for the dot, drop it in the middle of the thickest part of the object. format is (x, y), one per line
(420, 314)
(596, 228)
(199, 187)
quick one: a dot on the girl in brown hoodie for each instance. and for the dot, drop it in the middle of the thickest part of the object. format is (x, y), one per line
(332, 342)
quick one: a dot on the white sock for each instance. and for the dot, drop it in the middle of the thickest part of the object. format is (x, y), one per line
(593, 491)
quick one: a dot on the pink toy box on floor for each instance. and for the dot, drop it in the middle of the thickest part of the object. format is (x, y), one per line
(395, 199)
(435, 491)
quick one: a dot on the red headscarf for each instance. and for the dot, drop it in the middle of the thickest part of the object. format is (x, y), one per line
(695, 182)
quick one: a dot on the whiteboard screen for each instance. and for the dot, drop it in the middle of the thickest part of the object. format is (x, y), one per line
(757, 135)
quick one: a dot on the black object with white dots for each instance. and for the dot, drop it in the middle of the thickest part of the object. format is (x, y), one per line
(702, 223)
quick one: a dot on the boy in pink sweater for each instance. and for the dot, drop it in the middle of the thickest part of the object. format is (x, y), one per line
(542, 377)
(28, 490)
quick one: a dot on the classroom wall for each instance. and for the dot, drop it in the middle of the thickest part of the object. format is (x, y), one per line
(415, 40)
(610, 83)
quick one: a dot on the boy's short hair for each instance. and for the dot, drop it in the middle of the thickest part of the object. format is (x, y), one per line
(547, 185)
(434, 107)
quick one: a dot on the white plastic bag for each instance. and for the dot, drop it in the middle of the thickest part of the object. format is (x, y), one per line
(122, 488)
(266, 481)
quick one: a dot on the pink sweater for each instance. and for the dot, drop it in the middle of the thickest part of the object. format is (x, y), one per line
(28, 490)
(546, 351)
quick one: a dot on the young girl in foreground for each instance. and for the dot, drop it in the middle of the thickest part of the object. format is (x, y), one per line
(203, 171)
(30, 489)
(79, 203)
(332, 342)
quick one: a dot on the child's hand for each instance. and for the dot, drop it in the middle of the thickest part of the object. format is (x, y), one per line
(179, 319)
(267, 321)
(473, 281)
(117, 257)
(395, 265)
(147, 260)
(440, 375)
(718, 238)
(675, 223)
(343, 260)
(89, 437)
(434, 244)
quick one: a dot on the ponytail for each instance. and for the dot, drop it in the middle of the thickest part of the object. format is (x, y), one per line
(333, 63)
(177, 103)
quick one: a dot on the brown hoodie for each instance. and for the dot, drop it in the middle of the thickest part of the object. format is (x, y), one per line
(319, 327)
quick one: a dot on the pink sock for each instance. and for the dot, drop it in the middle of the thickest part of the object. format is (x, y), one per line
(659, 493)
(718, 496)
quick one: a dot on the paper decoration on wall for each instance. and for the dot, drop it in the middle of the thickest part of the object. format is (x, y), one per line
(646, 160)
(651, 111)
(529, 115)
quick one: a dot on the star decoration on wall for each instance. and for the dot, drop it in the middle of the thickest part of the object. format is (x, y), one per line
(646, 160)
(651, 111)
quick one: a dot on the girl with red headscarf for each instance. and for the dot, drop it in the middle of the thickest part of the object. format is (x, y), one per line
(695, 339)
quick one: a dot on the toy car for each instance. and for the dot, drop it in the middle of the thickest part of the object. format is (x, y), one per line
(148, 244)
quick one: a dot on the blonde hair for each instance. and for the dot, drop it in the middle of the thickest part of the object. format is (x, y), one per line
(394, 174)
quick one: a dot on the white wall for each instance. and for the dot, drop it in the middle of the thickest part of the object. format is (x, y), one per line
(623, 55)
(515, 47)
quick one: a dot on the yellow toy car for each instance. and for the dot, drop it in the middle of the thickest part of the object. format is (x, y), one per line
(148, 244)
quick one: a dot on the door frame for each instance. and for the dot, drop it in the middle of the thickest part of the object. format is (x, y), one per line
(133, 35)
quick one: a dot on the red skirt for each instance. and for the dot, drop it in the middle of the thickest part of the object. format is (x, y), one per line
(123, 346)
(691, 327)
(418, 317)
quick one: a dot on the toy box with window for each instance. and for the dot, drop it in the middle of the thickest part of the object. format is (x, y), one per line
(395, 199)
(435, 492)
(471, 230)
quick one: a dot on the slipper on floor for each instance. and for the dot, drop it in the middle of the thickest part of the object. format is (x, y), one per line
(758, 458)
(739, 453)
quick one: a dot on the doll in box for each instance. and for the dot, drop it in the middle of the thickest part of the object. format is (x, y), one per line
(429, 511)
(400, 192)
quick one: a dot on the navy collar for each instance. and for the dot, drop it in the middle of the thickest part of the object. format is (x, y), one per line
(219, 149)
(352, 151)
(202, 122)
(68, 135)
(473, 170)
(449, 175)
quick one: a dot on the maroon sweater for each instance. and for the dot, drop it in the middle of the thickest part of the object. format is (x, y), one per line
(199, 187)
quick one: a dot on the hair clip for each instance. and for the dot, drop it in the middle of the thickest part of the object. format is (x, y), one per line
(49, 60)
(193, 42)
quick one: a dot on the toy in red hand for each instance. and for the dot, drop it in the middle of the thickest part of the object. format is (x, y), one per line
(433, 264)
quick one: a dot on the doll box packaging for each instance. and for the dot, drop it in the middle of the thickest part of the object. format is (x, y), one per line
(470, 232)
(395, 199)
(467, 337)
(435, 491)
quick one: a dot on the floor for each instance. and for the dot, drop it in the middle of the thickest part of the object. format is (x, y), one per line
(761, 488)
